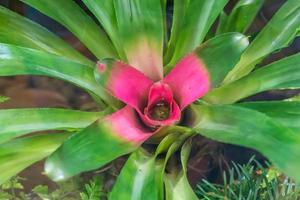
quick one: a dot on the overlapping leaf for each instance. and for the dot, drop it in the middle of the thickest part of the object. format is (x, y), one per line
(16, 60)
(105, 14)
(138, 178)
(18, 154)
(17, 30)
(17, 122)
(197, 19)
(69, 14)
(286, 113)
(140, 25)
(252, 129)
(241, 16)
(277, 34)
(283, 74)
(177, 185)
(89, 149)
(229, 46)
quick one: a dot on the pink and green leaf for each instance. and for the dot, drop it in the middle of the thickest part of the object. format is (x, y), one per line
(189, 80)
(282, 74)
(17, 30)
(140, 25)
(205, 67)
(198, 18)
(98, 144)
(18, 154)
(70, 15)
(252, 129)
(277, 34)
(124, 82)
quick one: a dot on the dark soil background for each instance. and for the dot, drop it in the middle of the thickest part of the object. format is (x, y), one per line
(208, 158)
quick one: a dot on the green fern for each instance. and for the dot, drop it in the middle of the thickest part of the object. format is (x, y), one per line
(93, 190)
(250, 182)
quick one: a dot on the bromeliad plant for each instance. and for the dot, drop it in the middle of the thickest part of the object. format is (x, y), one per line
(159, 77)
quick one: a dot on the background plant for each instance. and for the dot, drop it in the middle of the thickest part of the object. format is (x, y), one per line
(81, 143)
(250, 181)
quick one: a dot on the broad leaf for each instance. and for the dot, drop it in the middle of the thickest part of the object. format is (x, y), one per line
(138, 178)
(229, 46)
(16, 60)
(283, 74)
(177, 185)
(198, 18)
(277, 34)
(69, 14)
(89, 149)
(17, 30)
(17, 122)
(140, 25)
(241, 16)
(249, 128)
(286, 113)
(18, 154)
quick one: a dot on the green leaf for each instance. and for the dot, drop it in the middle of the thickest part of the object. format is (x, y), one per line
(198, 18)
(242, 16)
(69, 14)
(20, 153)
(13, 183)
(222, 23)
(229, 46)
(177, 185)
(277, 34)
(142, 175)
(105, 14)
(17, 122)
(283, 74)
(249, 128)
(166, 142)
(179, 9)
(165, 25)
(3, 99)
(286, 113)
(89, 149)
(16, 60)
(140, 25)
(17, 30)
(138, 178)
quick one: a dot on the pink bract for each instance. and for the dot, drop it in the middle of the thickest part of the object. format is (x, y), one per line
(152, 105)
